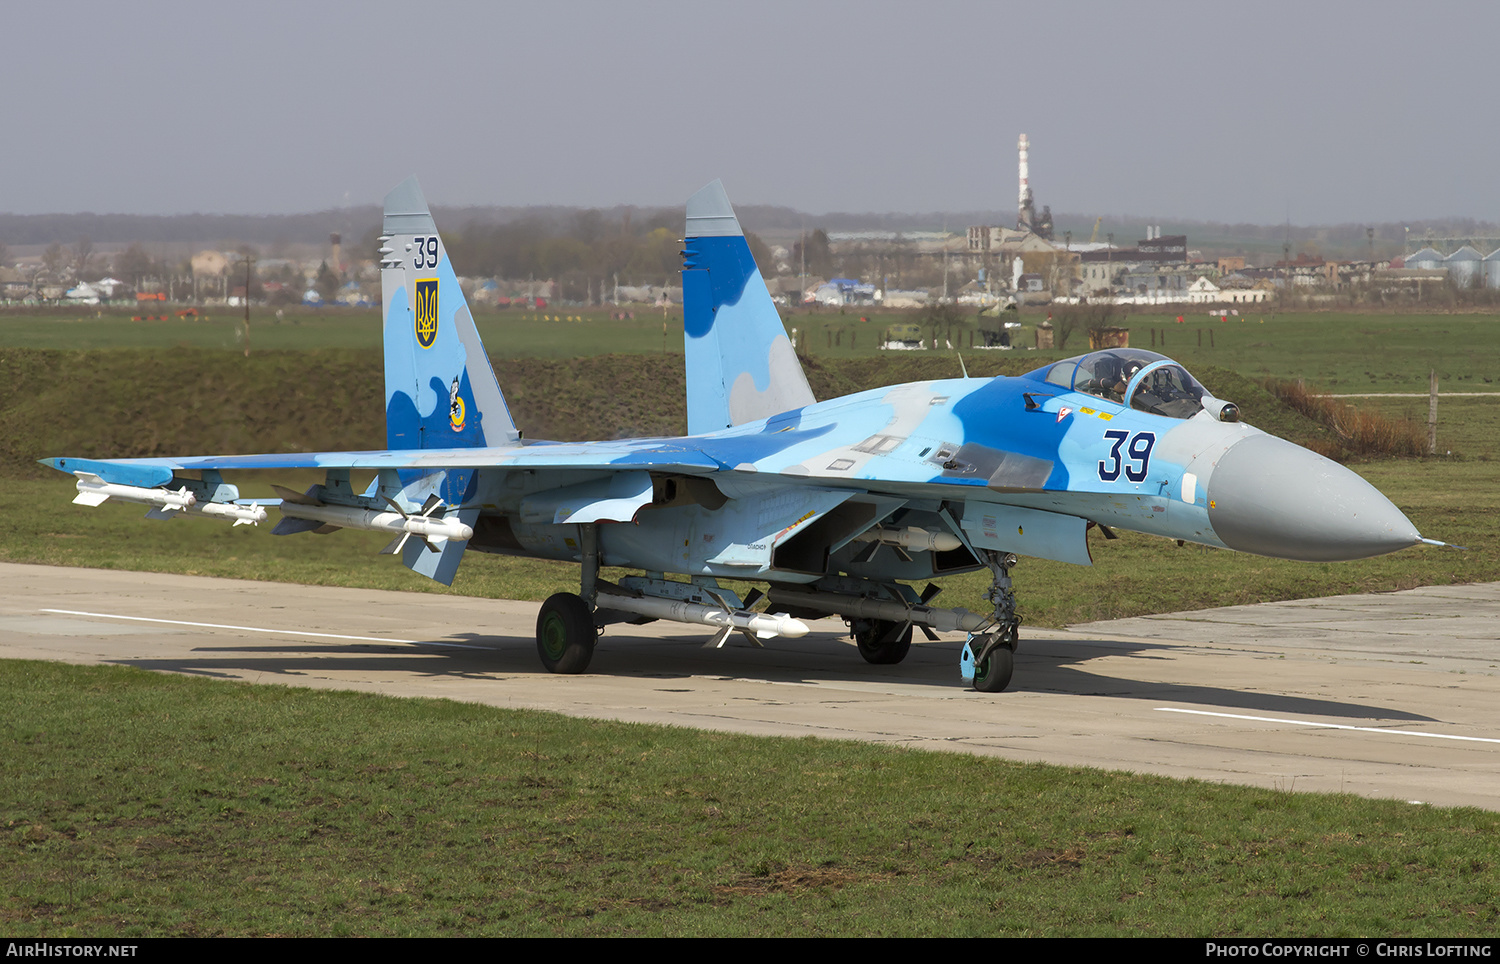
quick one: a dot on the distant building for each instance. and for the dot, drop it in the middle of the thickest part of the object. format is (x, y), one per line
(1171, 247)
(845, 291)
(210, 264)
(1236, 290)
(894, 298)
(1464, 266)
(1426, 259)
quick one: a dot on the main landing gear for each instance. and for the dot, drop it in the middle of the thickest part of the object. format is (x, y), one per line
(566, 630)
(566, 634)
(881, 642)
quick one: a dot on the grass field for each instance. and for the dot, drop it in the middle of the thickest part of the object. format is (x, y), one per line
(558, 334)
(1340, 352)
(138, 804)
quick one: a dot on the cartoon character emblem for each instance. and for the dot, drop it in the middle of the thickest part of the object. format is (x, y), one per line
(456, 408)
(427, 312)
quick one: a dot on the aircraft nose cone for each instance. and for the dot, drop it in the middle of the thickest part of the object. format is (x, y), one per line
(1273, 498)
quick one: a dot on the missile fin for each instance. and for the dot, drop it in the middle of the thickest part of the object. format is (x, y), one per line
(299, 498)
(289, 525)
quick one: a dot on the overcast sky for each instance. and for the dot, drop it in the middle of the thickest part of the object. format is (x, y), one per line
(1320, 112)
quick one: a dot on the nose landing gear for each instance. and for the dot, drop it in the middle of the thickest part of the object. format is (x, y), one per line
(989, 658)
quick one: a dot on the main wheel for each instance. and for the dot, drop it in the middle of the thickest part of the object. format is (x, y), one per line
(565, 633)
(881, 642)
(992, 674)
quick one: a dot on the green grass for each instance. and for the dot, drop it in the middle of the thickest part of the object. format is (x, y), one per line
(1336, 351)
(1466, 426)
(564, 333)
(137, 804)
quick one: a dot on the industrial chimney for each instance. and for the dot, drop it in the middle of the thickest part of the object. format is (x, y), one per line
(1024, 213)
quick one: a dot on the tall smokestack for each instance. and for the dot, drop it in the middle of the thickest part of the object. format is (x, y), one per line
(1023, 212)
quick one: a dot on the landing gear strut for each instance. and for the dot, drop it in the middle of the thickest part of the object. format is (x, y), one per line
(994, 652)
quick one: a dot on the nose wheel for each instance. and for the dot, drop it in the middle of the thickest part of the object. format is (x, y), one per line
(995, 661)
(994, 653)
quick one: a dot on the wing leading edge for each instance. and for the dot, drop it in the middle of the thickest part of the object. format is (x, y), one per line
(604, 456)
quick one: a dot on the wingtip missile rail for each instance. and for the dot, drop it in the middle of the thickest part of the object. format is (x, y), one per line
(93, 490)
(164, 503)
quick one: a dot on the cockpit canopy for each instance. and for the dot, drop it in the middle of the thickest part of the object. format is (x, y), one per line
(1144, 380)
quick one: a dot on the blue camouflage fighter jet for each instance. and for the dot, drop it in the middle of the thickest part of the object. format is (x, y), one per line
(837, 505)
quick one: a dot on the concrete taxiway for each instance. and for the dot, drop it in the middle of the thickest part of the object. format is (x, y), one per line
(1394, 695)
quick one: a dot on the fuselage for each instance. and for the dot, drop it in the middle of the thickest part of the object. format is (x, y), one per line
(1013, 463)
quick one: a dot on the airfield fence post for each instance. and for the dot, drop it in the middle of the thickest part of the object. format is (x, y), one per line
(248, 262)
(1432, 411)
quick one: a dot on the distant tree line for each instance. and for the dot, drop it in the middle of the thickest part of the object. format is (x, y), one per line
(582, 253)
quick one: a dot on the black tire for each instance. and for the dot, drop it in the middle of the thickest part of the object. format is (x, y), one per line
(565, 633)
(992, 674)
(882, 643)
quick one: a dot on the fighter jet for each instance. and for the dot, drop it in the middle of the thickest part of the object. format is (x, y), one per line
(838, 506)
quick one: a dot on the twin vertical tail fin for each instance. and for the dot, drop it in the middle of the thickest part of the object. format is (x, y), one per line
(740, 364)
(440, 391)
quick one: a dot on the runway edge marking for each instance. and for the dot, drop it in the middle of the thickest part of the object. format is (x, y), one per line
(259, 629)
(1331, 726)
